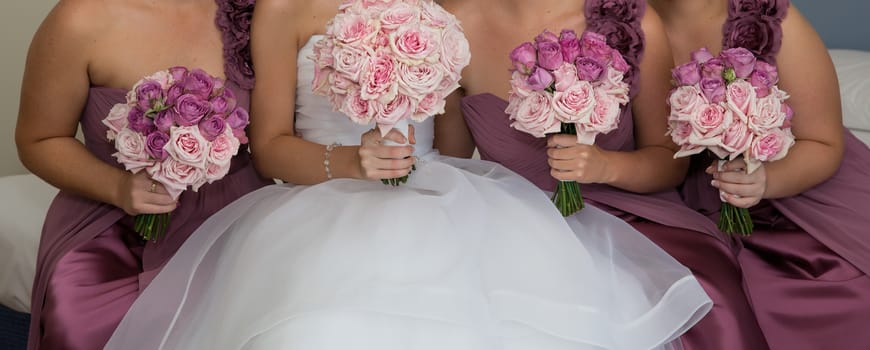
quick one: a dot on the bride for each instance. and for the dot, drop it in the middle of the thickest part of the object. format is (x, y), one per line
(465, 255)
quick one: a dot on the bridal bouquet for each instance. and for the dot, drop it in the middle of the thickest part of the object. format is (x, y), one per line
(183, 128)
(731, 106)
(566, 84)
(389, 61)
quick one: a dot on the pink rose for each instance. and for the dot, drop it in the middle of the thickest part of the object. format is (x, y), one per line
(222, 150)
(415, 45)
(188, 146)
(117, 119)
(357, 109)
(524, 57)
(618, 62)
(431, 104)
(340, 84)
(763, 78)
(177, 73)
(789, 113)
(575, 104)
(566, 76)
(164, 78)
(534, 115)
(680, 130)
(740, 98)
(589, 69)
(435, 15)
(604, 118)
(131, 150)
(455, 52)
(390, 113)
(736, 139)
(713, 69)
(519, 84)
(378, 79)
(398, 15)
(176, 176)
(614, 84)
(594, 45)
(137, 121)
(570, 45)
(771, 146)
(742, 60)
(686, 102)
(687, 74)
(713, 89)
(353, 29)
(349, 61)
(540, 79)
(711, 121)
(768, 115)
(546, 37)
(212, 127)
(418, 80)
(148, 94)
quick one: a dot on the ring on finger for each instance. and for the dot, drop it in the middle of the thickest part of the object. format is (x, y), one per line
(153, 187)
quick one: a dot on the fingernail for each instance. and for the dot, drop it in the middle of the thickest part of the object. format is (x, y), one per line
(714, 183)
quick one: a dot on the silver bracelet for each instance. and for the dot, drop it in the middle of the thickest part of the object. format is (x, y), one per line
(326, 155)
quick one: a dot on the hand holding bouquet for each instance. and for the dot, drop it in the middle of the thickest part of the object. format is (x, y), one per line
(731, 106)
(566, 84)
(183, 128)
(388, 61)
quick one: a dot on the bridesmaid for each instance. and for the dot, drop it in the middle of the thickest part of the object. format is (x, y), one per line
(609, 171)
(91, 265)
(806, 265)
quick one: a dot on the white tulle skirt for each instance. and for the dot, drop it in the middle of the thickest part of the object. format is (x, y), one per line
(466, 255)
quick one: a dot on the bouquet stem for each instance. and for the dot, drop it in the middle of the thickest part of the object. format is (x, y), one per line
(735, 220)
(567, 197)
(151, 227)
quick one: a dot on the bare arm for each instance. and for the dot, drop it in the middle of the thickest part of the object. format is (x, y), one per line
(53, 94)
(807, 74)
(452, 137)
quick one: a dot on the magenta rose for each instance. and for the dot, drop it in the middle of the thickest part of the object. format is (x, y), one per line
(173, 93)
(771, 8)
(540, 79)
(589, 69)
(702, 55)
(619, 62)
(187, 145)
(713, 68)
(212, 127)
(570, 45)
(165, 119)
(138, 122)
(550, 55)
(189, 109)
(238, 119)
(763, 78)
(566, 76)
(741, 60)
(524, 57)
(575, 104)
(148, 93)
(178, 73)
(546, 37)
(771, 146)
(154, 145)
(534, 115)
(594, 45)
(687, 74)
(199, 83)
(686, 102)
(759, 34)
(713, 89)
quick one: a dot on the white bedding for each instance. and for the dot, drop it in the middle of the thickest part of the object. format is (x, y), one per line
(25, 198)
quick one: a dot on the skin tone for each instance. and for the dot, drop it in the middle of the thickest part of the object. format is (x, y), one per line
(279, 29)
(806, 73)
(519, 21)
(82, 43)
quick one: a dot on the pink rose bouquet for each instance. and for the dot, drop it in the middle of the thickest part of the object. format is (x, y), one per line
(731, 106)
(183, 128)
(388, 61)
(566, 84)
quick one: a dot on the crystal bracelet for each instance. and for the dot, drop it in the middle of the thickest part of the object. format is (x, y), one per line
(326, 155)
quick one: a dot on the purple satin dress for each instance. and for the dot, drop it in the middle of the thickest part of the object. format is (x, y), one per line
(688, 236)
(91, 266)
(806, 264)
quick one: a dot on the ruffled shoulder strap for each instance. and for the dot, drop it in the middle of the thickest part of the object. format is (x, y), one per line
(755, 25)
(234, 21)
(620, 22)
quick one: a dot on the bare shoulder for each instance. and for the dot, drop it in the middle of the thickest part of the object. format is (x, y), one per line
(306, 17)
(796, 29)
(78, 18)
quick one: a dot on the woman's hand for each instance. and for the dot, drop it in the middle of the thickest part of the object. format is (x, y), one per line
(379, 161)
(570, 161)
(737, 187)
(138, 194)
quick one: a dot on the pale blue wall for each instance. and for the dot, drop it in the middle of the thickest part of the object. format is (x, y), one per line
(843, 24)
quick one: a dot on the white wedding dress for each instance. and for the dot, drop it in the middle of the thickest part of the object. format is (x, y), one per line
(465, 255)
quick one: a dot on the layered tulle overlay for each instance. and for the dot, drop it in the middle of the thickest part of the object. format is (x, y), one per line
(465, 255)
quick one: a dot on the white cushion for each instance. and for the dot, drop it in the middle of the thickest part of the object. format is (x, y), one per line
(23, 204)
(853, 71)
